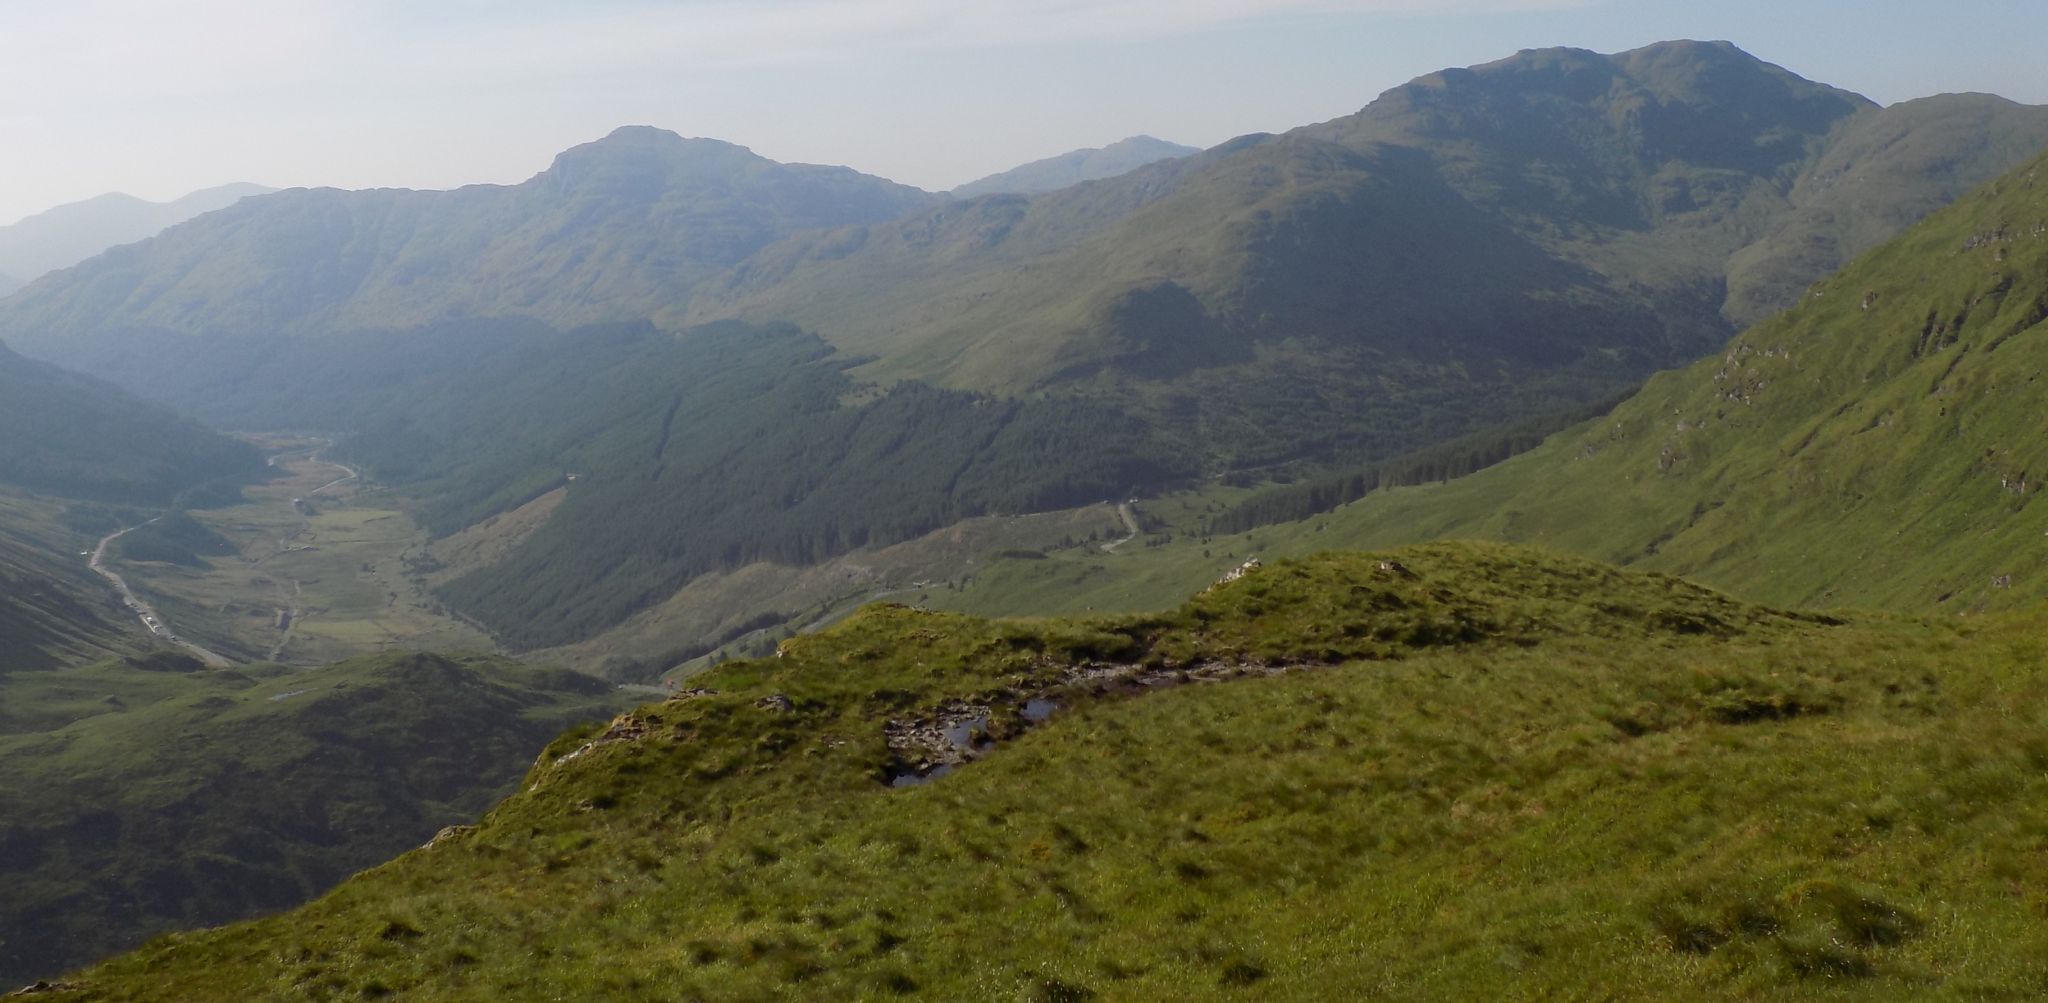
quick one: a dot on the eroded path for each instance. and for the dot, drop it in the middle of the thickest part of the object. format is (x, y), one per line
(1130, 516)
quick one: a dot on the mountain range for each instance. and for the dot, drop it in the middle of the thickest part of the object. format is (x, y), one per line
(612, 230)
(1474, 252)
(68, 234)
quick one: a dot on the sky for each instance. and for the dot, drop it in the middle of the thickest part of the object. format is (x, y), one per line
(160, 97)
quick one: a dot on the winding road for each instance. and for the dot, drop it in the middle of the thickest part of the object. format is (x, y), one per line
(142, 610)
(348, 474)
(1130, 521)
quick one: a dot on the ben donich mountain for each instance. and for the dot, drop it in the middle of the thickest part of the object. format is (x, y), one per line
(64, 236)
(1070, 169)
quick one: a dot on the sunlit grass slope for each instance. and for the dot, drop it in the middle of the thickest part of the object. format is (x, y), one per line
(1880, 444)
(1486, 773)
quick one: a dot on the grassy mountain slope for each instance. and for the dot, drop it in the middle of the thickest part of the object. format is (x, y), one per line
(68, 434)
(613, 230)
(1490, 773)
(1884, 170)
(1877, 445)
(151, 795)
(1069, 169)
(53, 610)
(68, 234)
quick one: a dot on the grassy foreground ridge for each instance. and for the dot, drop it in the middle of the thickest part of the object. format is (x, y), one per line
(1450, 771)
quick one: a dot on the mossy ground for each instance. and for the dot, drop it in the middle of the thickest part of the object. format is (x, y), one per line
(1490, 773)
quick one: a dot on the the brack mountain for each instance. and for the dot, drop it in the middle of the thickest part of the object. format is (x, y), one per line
(1522, 220)
(68, 234)
(1075, 167)
(1476, 249)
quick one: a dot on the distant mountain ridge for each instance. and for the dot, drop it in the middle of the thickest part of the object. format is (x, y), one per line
(615, 229)
(1075, 167)
(68, 234)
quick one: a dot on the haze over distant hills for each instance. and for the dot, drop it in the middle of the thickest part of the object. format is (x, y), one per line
(1477, 250)
(68, 234)
(617, 228)
(1069, 169)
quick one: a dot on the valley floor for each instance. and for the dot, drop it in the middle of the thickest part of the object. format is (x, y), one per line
(319, 571)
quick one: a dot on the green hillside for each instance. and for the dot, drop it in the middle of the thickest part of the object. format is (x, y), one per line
(71, 435)
(53, 610)
(1882, 172)
(1877, 445)
(78, 459)
(1445, 772)
(149, 795)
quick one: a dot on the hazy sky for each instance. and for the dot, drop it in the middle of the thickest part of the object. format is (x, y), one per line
(159, 97)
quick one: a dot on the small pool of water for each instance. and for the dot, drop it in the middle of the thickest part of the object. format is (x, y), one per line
(904, 777)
